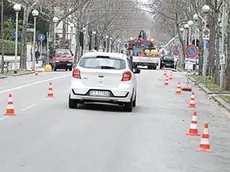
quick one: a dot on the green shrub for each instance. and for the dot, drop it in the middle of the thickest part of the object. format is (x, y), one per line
(9, 47)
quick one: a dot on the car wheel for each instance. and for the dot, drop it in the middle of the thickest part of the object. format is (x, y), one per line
(129, 106)
(55, 69)
(72, 103)
(154, 67)
(70, 69)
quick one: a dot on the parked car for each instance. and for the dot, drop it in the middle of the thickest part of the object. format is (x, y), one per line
(104, 77)
(168, 61)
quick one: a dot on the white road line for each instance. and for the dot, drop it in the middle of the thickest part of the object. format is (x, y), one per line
(34, 83)
(28, 107)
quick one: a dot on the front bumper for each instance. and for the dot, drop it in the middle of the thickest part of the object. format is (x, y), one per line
(144, 64)
(63, 65)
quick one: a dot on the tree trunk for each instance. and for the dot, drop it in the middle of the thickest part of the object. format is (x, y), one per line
(212, 52)
(77, 50)
(227, 67)
(23, 58)
(182, 56)
(2, 36)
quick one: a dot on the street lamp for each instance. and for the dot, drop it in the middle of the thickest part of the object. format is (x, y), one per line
(205, 9)
(222, 57)
(111, 48)
(71, 33)
(17, 8)
(55, 20)
(94, 39)
(186, 26)
(34, 14)
(190, 23)
(195, 17)
(83, 46)
(107, 43)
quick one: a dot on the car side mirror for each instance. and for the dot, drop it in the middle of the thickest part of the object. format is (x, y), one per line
(136, 70)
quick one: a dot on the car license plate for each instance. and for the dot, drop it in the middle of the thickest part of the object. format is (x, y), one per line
(69, 64)
(100, 93)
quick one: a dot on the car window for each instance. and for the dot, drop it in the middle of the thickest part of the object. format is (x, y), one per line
(63, 53)
(102, 63)
(168, 58)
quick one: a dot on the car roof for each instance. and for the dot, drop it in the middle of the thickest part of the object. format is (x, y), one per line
(113, 55)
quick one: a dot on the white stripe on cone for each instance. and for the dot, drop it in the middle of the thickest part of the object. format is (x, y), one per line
(10, 106)
(193, 126)
(205, 131)
(204, 141)
(194, 118)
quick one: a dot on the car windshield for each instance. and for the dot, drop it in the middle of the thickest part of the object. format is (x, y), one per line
(168, 58)
(63, 53)
(102, 63)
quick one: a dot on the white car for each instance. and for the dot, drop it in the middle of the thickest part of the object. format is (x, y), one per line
(104, 77)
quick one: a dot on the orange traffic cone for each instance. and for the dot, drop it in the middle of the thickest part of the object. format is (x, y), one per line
(50, 92)
(166, 81)
(36, 71)
(192, 103)
(204, 141)
(178, 90)
(170, 75)
(10, 107)
(193, 130)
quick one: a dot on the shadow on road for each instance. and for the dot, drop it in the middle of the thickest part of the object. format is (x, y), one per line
(101, 107)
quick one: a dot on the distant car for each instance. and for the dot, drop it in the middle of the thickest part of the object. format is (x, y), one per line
(168, 61)
(104, 77)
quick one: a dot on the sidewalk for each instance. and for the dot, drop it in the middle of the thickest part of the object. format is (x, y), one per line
(216, 95)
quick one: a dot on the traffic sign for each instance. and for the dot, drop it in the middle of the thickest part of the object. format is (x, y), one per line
(176, 52)
(191, 51)
(41, 37)
(14, 34)
(206, 33)
(207, 44)
(180, 46)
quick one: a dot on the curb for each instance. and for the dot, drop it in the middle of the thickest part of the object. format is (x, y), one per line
(14, 75)
(21, 74)
(221, 102)
(3, 77)
(201, 86)
(214, 96)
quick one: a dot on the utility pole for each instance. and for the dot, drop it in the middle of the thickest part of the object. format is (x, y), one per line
(205, 52)
(222, 57)
(2, 36)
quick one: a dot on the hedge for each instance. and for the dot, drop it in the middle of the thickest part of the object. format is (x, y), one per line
(9, 47)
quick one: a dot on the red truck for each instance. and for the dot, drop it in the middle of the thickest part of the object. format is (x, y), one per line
(62, 58)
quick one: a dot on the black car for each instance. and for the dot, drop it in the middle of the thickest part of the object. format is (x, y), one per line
(168, 61)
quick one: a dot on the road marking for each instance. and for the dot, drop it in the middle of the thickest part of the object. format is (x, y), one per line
(34, 83)
(28, 107)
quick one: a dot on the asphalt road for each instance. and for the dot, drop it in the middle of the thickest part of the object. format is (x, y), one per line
(46, 136)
